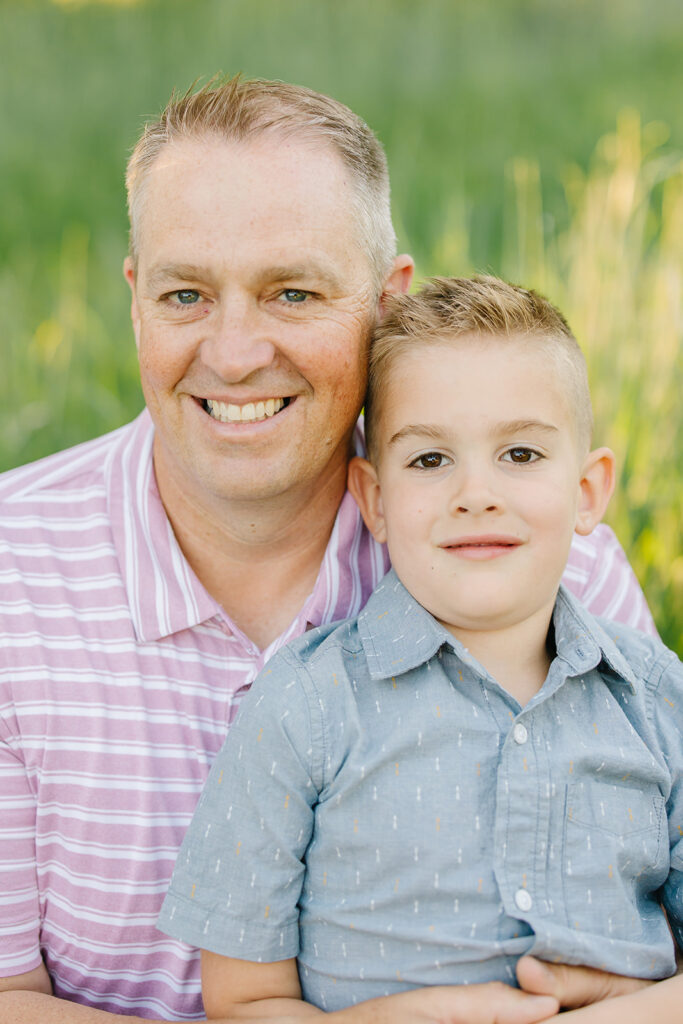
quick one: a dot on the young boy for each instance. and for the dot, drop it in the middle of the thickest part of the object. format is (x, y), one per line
(474, 768)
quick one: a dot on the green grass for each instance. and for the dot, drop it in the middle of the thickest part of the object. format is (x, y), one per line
(540, 139)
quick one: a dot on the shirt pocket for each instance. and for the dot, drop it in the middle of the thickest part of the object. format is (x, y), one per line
(613, 855)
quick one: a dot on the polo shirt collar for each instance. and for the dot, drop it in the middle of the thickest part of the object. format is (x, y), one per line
(398, 635)
(164, 595)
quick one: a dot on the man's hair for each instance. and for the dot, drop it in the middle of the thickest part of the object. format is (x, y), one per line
(446, 308)
(238, 110)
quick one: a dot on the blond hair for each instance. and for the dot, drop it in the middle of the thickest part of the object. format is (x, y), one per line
(237, 109)
(450, 307)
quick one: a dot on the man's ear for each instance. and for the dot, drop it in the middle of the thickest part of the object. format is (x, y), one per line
(595, 489)
(398, 280)
(364, 486)
(129, 274)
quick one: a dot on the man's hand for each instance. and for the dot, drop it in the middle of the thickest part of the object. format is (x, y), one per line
(494, 1003)
(573, 986)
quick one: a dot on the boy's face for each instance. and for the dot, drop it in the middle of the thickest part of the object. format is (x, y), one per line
(480, 481)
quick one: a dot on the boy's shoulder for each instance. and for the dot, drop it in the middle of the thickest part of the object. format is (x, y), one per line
(641, 658)
(647, 656)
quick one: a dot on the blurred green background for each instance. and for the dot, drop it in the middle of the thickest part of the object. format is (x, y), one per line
(538, 139)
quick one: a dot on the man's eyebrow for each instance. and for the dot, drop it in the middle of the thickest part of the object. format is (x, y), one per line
(280, 272)
(301, 272)
(177, 272)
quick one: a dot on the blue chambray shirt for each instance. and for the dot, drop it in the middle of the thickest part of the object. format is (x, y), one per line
(385, 811)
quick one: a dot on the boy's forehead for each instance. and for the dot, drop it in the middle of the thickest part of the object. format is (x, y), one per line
(479, 347)
(489, 364)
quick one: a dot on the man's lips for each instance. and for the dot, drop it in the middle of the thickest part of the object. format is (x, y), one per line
(247, 412)
(483, 547)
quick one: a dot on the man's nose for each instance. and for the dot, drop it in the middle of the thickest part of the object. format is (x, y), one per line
(238, 341)
(474, 492)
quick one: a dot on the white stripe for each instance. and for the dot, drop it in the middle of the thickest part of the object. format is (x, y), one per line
(71, 525)
(62, 554)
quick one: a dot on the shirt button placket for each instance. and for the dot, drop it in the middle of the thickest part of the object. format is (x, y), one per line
(520, 734)
(523, 900)
(522, 897)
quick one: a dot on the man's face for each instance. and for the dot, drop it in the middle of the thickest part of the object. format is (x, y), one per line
(479, 480)
(252, 307)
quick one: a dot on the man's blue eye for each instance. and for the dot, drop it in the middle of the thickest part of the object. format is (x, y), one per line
(187, 296)
(295, 295)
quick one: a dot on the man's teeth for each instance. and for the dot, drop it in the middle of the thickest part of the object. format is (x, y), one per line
(249, 413)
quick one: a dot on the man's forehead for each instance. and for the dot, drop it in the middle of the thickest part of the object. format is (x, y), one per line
(256, 184)
(285, 210)
(211, 150)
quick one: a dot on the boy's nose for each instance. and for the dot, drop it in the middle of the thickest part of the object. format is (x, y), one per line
(474, 495)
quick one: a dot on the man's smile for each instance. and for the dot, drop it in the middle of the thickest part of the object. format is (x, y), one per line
(251, 412)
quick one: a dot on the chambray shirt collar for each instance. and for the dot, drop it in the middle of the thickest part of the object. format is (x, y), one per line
(398, 635)
(582, 644)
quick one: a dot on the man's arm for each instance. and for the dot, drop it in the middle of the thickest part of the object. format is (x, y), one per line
(661, 1002)
(37, 980)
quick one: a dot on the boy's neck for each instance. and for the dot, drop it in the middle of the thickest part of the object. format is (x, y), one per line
(517, 657)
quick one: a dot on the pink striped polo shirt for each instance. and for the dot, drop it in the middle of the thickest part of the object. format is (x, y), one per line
(119, 676)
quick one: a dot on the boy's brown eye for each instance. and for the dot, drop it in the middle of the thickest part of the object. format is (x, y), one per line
(430, 460)
(522, 455)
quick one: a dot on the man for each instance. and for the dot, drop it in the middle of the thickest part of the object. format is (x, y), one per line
(150, 574)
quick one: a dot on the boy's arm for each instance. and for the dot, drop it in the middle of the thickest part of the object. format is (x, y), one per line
(249, 990)
(235, 990)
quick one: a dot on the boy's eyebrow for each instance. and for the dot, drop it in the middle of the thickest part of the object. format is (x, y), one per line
(434, 433)
(520, 426)
(417, 429)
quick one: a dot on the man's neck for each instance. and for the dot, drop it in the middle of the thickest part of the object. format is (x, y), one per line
(258, 560)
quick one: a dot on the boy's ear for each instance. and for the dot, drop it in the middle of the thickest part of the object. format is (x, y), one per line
(595, 489)
(364, 486)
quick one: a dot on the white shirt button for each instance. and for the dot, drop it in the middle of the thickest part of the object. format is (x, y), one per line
(519, 733)
(523, 899)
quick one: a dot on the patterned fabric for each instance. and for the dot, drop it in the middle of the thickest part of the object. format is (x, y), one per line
(119, 676)
(383, 809)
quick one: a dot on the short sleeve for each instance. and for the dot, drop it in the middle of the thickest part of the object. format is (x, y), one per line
(239, 872)
(599, 574)
(668, 714)
(19, 902)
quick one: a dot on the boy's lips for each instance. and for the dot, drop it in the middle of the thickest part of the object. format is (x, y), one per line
(481, 547)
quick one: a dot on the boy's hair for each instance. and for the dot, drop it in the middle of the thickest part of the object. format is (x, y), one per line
(445, 308)
(238, 110)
